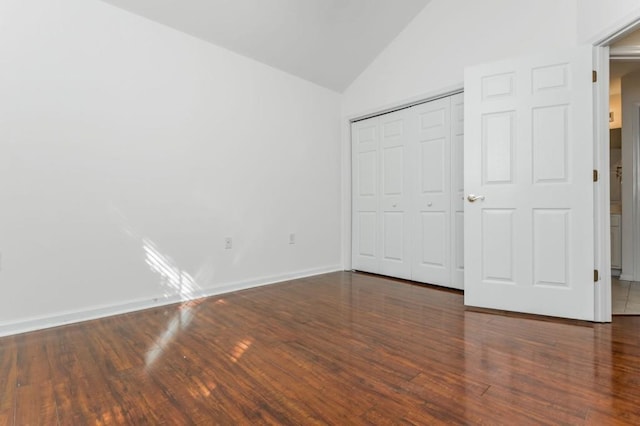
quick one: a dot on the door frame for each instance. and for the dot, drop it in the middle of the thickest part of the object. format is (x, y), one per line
(631, 167)
(601, 202)
(602, 249)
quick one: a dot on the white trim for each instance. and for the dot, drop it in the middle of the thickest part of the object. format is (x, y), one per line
(618, 30)
(406, 103)
(601, 197)
(625, 277)
(346, 195)
(70, 317)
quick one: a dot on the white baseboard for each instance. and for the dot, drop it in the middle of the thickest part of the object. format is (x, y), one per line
(624, 277)
(70, 317)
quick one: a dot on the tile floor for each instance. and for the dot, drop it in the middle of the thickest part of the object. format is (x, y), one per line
(625, 296)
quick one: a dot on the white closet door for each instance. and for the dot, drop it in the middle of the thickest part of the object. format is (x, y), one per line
(431, 252)
(457, 191)
(365, 223)
(395, 198)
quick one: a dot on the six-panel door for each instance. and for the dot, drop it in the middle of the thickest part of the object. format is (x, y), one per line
(432, 234)
(365, 196)
(528, 159)
(395, 195)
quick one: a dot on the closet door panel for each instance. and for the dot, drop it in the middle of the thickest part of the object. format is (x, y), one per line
(365, 195)
(432, 194)
(433, 238)
(432, 165)
(394, 237)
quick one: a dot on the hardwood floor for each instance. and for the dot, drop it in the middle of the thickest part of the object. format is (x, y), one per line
(338, 349)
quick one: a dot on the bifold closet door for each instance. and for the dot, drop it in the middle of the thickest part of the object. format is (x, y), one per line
(381, 196)
(408, 193)
(395, 198)
(431, 251)
(365, 195)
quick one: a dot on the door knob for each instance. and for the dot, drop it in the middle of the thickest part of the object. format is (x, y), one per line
(473, 198)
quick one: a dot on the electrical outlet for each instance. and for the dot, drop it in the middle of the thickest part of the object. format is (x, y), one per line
(292, 238)
(228, 243)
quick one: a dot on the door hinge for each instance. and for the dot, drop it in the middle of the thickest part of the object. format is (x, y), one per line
(595, 175)
(595, 76)
(596, 275)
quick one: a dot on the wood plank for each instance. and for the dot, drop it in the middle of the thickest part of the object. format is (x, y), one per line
(36, 405)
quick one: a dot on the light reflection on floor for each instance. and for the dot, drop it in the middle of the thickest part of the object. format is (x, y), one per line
(241, 347)
(179, 322)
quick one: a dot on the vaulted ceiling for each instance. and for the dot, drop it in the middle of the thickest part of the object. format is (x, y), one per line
(328, 42)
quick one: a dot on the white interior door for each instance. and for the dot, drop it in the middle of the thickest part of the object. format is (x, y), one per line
(395, 199)
(365, 175)
(432, 218)
(528, 238)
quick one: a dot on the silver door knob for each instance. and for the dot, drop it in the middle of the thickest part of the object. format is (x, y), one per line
(473, 198)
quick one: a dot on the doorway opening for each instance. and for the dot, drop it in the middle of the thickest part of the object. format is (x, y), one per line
(624, 122)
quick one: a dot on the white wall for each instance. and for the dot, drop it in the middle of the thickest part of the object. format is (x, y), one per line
(598, 18)
(448, 35)
(128, 151)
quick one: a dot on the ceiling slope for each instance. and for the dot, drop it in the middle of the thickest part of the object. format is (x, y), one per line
(328, 42)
